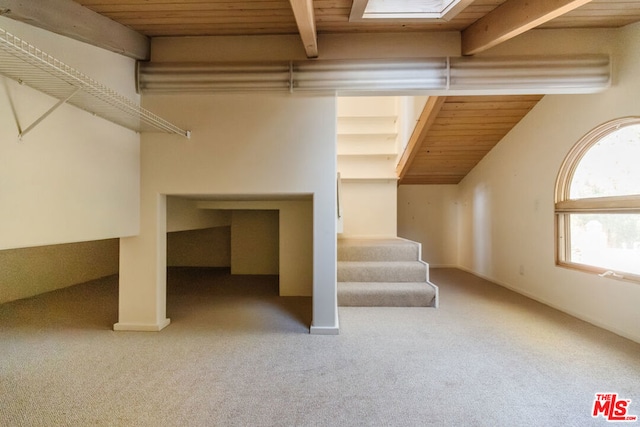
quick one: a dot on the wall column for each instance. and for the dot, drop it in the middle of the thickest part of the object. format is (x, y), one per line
(325, 297)
(143, 270)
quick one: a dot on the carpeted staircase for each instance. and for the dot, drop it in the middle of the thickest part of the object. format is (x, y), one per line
(383, 273)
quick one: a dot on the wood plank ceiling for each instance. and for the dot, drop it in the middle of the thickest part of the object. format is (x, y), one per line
(229, 17)
(456, 132)
(459, 132)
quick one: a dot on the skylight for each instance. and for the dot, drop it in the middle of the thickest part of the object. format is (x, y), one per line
(406, 9)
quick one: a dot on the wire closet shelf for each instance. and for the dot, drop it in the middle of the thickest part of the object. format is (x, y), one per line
(28, 65)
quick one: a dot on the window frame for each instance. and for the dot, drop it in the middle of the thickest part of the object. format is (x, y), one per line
(564, 206)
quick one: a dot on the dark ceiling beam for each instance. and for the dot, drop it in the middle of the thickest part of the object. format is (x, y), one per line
(70, 19)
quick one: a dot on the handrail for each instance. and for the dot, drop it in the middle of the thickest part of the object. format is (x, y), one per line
(339, 196)
(339, 219)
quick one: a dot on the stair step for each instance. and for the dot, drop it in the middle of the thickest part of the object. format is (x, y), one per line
(379, 271)
(382, 294)
(378, 250)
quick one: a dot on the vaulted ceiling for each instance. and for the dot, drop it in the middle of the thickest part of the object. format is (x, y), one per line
(453, 133)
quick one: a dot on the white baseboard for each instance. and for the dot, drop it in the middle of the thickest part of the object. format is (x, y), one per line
(141, 327)
(581, 316)
(326, 330)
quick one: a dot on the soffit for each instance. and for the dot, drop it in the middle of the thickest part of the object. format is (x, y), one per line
(464, 129)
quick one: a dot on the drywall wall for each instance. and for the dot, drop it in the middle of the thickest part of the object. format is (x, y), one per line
(255, 242)
(74, 177)
(258, 144)
(294, 234)
(26, 272)
(207, 247)
(70, 187)
(506, 227)
(369, 208)
(367, 151)
(409, 108)
(428, 214)
(183, 214)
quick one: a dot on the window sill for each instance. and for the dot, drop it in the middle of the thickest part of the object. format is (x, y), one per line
(602, 272)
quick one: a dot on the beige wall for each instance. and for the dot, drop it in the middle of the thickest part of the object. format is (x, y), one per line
(254, 144)
(26, 272)
(505, 219)
(208, 247)
(255, 242)
(70, 187)
(183, 214)
(291, 247)
(74, 177)
(506, 229)
(369, 208)
(429, 214)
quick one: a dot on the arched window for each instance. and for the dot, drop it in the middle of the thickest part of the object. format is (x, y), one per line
(597, 202)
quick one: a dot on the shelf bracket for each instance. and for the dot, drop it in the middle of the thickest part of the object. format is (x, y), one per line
(12, 105)
(26, 64)
(22, 133)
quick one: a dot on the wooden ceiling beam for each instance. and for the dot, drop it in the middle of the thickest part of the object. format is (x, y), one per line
(426, 119)
(68, 18)
(510, 19)
(306, 21)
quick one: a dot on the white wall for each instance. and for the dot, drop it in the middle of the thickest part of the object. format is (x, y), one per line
(429, 214)
(506, 203)
(74, 177)
(410, 109)
(241, 144)
(70, 188)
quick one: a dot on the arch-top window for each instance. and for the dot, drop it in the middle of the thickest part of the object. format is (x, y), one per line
(598, 202)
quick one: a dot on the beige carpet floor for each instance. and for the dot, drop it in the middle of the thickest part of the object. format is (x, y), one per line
(236, 354)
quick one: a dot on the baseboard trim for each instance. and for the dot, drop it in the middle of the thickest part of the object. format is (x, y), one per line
(577, 315)
(326, 330)
(141, 327)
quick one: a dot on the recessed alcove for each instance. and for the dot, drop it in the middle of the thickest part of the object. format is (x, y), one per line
(249, 234)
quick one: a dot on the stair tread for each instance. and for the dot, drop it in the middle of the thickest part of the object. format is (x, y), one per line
(366, 250)
(368, 294)
(379, 263)
(383, 272)
(374, 242)
(385, 285)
